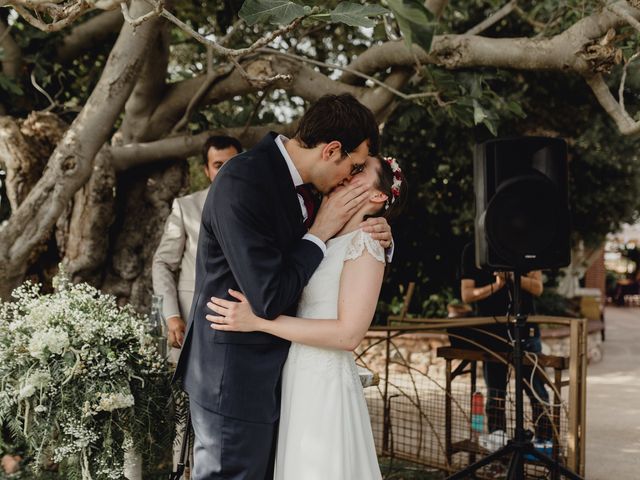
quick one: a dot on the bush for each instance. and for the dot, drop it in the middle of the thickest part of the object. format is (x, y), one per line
(82, 382)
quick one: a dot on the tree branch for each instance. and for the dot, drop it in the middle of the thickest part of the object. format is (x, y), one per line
(624, 78)
(493, 19)
(311, 84)
(66, 19)
(624, 14)
(86, 35)
(61, 15)
(560, 52)
(436, 6)
(204, 88)
(381, 99)
(12, 55)
(135, 22)
(569, 50)
(183, 146)
(379, 83)
(148, 91)
(626, 124)
(259, 81)
(216, 46)
(306, 82)
(176, 99)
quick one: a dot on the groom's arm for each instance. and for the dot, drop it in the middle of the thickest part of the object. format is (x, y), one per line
(242, 219)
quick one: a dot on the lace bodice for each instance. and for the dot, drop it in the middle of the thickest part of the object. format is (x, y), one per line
(320, 297)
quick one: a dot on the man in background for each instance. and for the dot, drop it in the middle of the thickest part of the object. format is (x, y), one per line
(173, 271)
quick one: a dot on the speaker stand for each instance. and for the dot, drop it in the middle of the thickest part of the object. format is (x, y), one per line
(521, 445)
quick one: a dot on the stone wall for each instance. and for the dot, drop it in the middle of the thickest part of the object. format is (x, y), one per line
(419, 350)
(415, 349)
(560, 346)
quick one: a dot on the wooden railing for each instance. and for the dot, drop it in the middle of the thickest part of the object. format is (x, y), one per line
(403, 324)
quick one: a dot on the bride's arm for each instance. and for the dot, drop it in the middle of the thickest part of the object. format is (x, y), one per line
(360, 284)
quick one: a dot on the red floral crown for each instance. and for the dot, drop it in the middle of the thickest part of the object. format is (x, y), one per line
(397, 179)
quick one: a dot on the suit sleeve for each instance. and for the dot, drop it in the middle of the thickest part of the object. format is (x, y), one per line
(271, 279)
(167, 260)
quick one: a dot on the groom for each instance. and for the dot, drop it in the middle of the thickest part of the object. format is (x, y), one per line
(257, 236)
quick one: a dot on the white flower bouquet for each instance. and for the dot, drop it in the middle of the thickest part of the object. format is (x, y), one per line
(82, 382)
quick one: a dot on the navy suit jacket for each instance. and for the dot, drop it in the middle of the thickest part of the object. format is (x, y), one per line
(250, 240)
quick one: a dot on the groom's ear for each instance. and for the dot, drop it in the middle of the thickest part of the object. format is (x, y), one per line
(332, 151)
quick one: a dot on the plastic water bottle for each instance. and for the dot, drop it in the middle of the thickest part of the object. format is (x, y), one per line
(477, 414)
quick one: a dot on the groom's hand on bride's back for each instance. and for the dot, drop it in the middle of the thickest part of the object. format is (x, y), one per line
(336, 209)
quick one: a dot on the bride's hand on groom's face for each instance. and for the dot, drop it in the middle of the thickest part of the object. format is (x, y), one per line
(337, 208)
(232, 316)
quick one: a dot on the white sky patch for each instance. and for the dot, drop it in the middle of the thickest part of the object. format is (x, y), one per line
(13, 17)
(286, 112)
(366, 31)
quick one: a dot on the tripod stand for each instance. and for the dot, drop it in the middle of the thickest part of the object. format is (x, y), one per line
(521, 445)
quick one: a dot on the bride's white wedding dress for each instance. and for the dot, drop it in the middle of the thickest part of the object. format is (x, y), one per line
(325, 431)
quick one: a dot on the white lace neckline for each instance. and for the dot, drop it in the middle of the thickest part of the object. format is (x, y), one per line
(343, 236)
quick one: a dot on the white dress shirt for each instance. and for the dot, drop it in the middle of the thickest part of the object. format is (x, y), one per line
(297, 181)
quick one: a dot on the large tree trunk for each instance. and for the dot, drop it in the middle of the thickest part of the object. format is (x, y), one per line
(25, 147)
(144, 202)
(82, 232)
(144, 194)
(71, 164)
(111, 227)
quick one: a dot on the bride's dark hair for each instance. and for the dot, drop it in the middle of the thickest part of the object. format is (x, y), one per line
(395, 204)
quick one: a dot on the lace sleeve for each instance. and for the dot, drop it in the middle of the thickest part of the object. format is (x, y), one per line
(359, 242)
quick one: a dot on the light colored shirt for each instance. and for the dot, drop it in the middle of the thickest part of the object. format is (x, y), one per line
(297, 181)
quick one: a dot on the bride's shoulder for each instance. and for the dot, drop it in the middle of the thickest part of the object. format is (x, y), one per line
(361, 241)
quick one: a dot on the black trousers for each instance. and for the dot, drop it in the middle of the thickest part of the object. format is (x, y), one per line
(231, 449)
(495, 376)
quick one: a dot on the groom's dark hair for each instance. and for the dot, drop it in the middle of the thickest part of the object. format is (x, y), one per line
(342, 118)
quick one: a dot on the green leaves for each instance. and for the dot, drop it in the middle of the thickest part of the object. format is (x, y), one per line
(9, 85)
(356, 15)
(416, 23)
(478, 113)
(283, 12)
(275, 12)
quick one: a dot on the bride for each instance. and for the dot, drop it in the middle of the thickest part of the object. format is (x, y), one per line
(324, 431)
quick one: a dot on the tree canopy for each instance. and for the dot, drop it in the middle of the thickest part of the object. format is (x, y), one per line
(103, 100)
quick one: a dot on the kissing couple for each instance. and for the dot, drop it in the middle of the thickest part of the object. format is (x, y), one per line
(286, 286)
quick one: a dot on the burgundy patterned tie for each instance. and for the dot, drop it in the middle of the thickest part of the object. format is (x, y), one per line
(309, 202)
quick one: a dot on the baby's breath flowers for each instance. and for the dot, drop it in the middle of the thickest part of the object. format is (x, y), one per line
(81, 379)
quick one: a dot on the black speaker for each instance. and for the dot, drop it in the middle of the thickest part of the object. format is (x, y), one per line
(522, 205)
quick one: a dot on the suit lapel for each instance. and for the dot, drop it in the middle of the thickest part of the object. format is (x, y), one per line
(285, 190)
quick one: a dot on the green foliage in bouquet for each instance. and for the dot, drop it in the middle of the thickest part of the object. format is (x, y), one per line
(82, 382)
